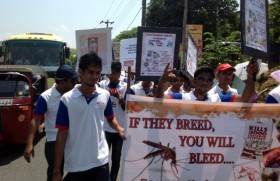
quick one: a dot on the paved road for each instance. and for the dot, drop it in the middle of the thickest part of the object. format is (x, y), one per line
(13, 167)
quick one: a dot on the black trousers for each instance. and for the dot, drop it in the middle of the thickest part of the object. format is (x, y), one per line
(49, 154)
(95, 174)
(115, 141)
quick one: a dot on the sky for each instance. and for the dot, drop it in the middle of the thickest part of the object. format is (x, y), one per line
(64, 17)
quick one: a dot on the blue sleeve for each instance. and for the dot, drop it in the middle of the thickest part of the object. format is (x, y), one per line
(41, 106)
(176, 96)
(62, 117)
(226, 97)
(132, 92)
(270, 100)
(109, 109)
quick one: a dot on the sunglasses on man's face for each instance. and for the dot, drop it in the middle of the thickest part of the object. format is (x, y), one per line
(73, 81)
(204, 79)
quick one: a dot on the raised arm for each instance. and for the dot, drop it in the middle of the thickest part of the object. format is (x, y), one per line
(166, 77)
(249, 90)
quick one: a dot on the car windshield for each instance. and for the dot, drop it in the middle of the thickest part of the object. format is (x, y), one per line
(13, 85)
(34, 52)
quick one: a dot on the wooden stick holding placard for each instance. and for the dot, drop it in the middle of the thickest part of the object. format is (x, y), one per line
(128, 79)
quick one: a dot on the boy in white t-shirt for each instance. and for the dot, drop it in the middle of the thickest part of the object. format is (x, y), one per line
(80, 119)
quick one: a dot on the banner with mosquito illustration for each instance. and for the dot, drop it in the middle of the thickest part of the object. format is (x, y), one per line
(193, 140)
(96, 41)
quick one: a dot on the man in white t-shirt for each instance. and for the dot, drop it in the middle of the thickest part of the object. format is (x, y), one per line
(46, 110)
(117, 89)
(224, 75)
(203, 81)
(80, 119)
(176, 84)
(143, 88)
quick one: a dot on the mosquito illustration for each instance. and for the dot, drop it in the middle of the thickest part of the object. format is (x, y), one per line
(166, 153)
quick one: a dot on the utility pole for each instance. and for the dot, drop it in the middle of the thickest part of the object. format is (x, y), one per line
(143, 23)
(184, 47)
(107, 22)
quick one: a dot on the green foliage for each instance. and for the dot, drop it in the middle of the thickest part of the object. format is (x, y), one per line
(220, 20)
(234, 36)
(218, 17)
(265, 84)
(218, 51)
(274, 21)
(126, 34)
(165, 13)
(72, 59)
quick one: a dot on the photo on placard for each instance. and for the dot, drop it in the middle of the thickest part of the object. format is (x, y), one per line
(254, 30)
(95, 41)
(191, 56)
(271, 158)
(248, 171)
(156, 47)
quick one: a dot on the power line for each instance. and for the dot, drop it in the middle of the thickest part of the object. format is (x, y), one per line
(116, 9)
(134, 18)
(107, 22)
(106, 13)
(122, 12)
(108, 9)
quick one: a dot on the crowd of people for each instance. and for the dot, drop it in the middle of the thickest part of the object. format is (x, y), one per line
(84, 121)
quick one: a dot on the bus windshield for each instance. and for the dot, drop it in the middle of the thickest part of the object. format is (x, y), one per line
(48, 54)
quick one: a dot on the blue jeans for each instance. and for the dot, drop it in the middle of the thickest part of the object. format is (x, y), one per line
(115, 141)
(100, 173)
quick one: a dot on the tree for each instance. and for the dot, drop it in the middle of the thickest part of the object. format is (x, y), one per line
(126, 34)
(226, 51)
(217, 17)
(73, 58)
(165, 13)
(274, 18)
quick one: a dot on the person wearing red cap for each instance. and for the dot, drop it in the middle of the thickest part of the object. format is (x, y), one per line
(203, 81)
(224, 75)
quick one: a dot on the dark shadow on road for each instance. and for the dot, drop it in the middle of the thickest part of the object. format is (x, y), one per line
(9, 153)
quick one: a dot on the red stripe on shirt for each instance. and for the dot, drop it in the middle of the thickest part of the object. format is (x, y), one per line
(110, 117)
(62, 127)
(232, 98)
(38, 115)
